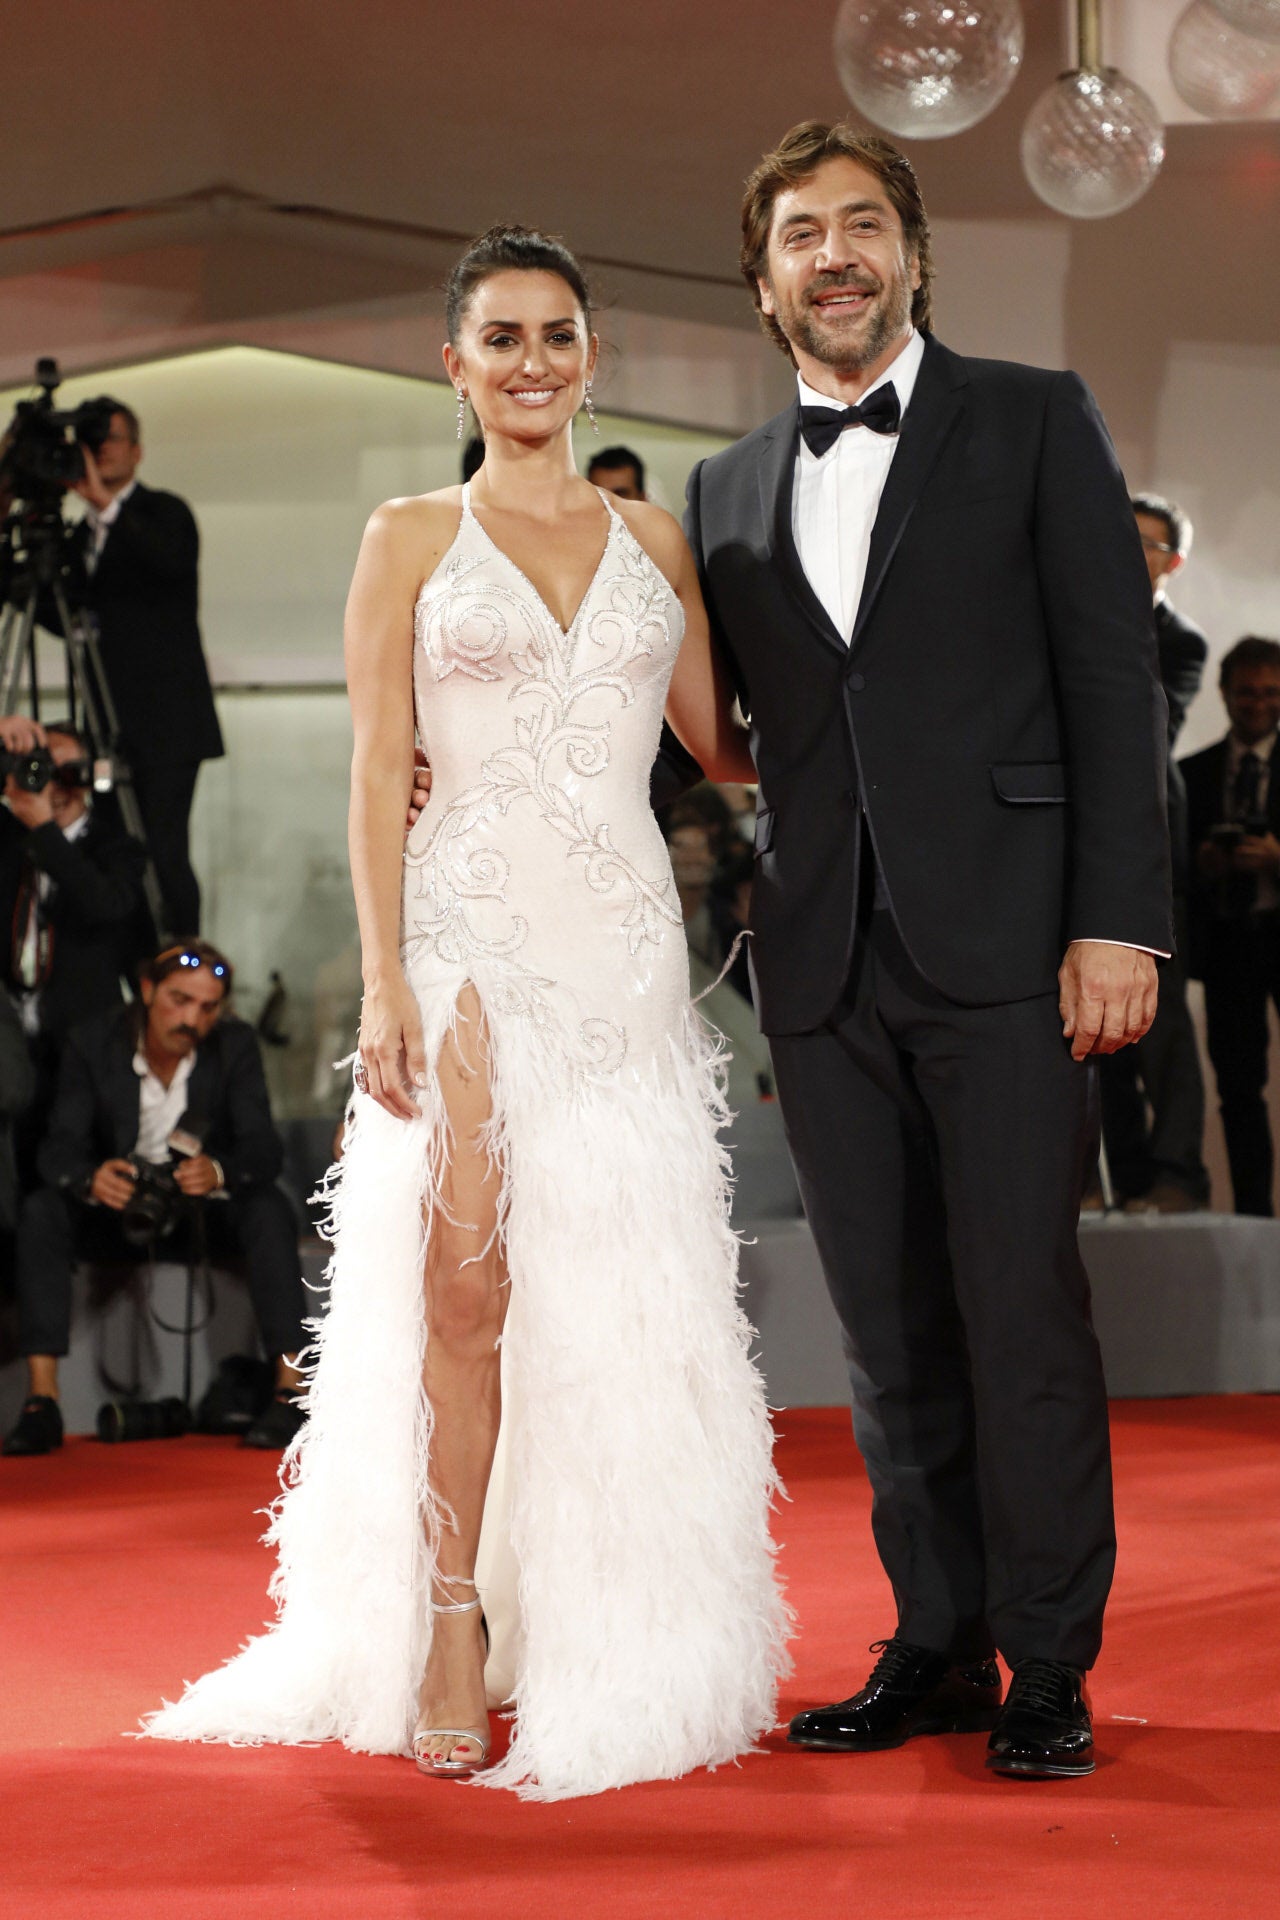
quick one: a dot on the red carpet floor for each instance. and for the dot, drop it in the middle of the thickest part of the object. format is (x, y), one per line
(126, 1569)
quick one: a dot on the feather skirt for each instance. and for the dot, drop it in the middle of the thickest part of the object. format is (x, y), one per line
(636, 1471)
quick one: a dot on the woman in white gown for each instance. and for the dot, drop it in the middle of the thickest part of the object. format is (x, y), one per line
(531, 1213)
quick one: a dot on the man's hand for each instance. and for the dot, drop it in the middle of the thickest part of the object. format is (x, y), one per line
(92, 488)
(197, 1176)
(1213, 860)
(1106, 996)
(20, 735)
(33, 809)
(421, 791)
(1257, 853)
(112, 1184)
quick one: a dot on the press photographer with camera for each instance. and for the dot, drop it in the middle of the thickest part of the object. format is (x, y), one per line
(70, 899)
(141, 552)
(1233, 814)
(162, 1134)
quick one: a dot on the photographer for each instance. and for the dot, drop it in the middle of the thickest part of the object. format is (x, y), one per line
(127, 1081)
(70, 895)
(1233, 812)
(141, 550)
(1153, 1092)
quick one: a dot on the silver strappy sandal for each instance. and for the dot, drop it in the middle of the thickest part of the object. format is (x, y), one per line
(450, 1766)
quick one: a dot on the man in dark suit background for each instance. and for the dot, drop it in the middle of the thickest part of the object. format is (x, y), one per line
(142, 552)
(1233, 820)
(935, 612)
(126, 1081)
(70, 900)
(1157, 1164)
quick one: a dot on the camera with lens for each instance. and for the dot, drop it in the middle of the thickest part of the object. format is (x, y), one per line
(166, 1419)
(154, 1208)
(1229, 833)
(43, 445)
(32, 772)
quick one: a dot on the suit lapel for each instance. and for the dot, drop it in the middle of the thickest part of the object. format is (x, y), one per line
(937, 402)
(126, 1095)
(203, 1085)
(776, 474)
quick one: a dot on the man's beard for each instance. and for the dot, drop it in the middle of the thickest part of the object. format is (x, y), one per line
(887, 320)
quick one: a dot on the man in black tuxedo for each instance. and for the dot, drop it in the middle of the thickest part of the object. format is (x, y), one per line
(70, 899)
(928, 587)
(141, 553)
(1233, 818)
(126, 1082)
(1157, 1165)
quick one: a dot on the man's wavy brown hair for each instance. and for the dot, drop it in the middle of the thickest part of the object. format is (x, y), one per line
(796, 158)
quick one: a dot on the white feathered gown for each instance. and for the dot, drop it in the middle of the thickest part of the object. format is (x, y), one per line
(635, 1465)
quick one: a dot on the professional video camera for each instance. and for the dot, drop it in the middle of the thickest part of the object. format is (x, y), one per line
(32, 772)
(42, 449)
(43, 584)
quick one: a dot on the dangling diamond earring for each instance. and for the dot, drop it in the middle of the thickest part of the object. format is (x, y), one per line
(591, 412)
(462, 410)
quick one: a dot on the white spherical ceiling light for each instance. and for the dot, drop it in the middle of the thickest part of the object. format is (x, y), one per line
(926, 68)
(1219, 70)
(1094, 142)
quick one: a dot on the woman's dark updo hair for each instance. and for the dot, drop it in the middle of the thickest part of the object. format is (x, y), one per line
(500, 250)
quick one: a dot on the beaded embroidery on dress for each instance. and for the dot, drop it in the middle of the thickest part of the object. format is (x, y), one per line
(630, 1503)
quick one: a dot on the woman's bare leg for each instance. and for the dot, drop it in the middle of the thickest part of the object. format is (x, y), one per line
(466, 1302)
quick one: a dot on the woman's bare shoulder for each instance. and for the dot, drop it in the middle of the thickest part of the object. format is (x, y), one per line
(413, 533)
(659, 533)
(416, 514)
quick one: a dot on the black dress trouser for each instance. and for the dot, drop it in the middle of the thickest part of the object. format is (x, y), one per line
(165, 791)
(255, 1225)
(941, 1152)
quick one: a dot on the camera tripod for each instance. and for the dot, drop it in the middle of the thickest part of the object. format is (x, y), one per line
(39, 567)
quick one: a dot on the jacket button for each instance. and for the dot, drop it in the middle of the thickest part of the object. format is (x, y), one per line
(857, 682)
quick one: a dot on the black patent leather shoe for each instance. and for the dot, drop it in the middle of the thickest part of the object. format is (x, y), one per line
(910, 1690)
(1044, 1731)
(38, 1428)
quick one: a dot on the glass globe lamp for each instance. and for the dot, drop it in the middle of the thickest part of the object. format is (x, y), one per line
(1092, 144)
(926, 68)
(1220, 71)
(1261, 18)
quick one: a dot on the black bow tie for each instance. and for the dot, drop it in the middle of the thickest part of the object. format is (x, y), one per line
(822, 426)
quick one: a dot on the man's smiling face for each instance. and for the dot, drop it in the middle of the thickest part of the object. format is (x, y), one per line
(840, 278)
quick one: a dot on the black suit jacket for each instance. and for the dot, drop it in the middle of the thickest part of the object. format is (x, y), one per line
(1205, 774)
(95, 1115)
(1183, 651)
(145, 593)
(997, 720)
(93, 913)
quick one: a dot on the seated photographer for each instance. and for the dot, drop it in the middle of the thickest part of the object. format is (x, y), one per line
(1233, 819)
(70, 895)
(161, 1101)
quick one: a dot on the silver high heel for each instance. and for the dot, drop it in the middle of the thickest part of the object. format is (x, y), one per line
(450, 1767)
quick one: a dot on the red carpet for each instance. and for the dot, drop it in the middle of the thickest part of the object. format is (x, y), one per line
(126, 1569)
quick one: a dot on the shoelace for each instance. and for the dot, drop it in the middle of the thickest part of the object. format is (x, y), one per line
(1040, 1686)
(894, 1661)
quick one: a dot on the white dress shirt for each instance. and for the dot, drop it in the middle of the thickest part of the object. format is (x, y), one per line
(836, 496)
(101, 520)
(159, 1107)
